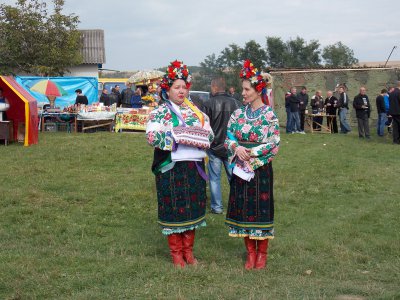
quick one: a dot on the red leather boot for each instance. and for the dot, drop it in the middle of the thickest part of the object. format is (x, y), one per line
(251, 253)
(175, 246)
(188, 242)
(262, 246)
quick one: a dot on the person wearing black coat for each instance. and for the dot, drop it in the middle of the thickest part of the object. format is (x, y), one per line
(219, 109)
(382, 116)
(105, 98)
(363, 110)
(294, 103)
(114, 96)
(126, 96)
(303, 98)
(80, 98)
(331, 106)
(394, 111)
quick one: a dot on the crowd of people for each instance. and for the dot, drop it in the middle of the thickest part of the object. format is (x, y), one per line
(130, 97)
(333, 107)
(243, 138)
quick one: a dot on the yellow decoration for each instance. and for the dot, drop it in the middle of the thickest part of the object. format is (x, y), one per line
(148, 98)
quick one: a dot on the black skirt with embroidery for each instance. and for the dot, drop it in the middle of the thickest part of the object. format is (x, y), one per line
(251, 205)
(181, 194)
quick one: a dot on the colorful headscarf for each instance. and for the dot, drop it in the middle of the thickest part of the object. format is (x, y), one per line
(176, 70)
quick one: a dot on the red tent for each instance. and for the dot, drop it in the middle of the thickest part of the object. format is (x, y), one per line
(23, 110)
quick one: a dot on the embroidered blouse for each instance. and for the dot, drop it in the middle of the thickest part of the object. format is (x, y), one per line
(260, 127)
(161, 121)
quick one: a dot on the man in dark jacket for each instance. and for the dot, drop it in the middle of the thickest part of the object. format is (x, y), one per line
(382, 117)
(80, 98)
(113, 96)
(126, 96)
(105, 98)
(331, 105)
(303, 98)
(363, 110)
(294, 103)
(219, 109)
(233, 93)
(394, 111)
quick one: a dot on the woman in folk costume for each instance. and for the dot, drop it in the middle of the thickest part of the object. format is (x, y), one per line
(179, 133)
(252, 142)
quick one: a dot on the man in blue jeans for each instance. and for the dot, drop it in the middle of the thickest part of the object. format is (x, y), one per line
(219, 109)
(382, 117)
(343, 109)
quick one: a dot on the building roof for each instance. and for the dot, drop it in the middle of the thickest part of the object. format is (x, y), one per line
(390, 63)
(93, 49)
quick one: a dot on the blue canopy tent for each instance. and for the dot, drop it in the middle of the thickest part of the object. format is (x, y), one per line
(88, 85)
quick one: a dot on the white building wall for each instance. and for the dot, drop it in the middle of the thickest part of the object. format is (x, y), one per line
(87, 70)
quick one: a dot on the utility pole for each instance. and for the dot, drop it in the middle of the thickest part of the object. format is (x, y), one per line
(394, 47)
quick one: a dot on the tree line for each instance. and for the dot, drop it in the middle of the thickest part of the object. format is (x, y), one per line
(36, 41)
(277, 54)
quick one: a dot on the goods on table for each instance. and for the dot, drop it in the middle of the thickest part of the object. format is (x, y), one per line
(134, 119)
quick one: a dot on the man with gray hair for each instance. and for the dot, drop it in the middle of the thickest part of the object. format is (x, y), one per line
(363, 110)
(219, 109)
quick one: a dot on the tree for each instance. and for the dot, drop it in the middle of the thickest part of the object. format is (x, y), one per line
(338, 55)
(295, 53)
(302, 54)
(276, 52)
(209, 68)
(36, 42)
(253, 51)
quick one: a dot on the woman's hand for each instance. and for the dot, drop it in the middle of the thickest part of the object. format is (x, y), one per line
(243, 153)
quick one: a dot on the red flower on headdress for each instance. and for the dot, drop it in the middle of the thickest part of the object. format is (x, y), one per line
(260, 86)
(247, 63)
(176, 70)
(176, 64)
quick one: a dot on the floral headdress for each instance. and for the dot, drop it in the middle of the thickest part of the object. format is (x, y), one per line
(251, 73)
(257, 80)
(176, 70)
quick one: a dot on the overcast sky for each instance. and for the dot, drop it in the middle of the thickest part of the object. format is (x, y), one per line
(145, 34)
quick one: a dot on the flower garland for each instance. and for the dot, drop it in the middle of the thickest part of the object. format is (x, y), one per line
(176, 70)
(249, 72)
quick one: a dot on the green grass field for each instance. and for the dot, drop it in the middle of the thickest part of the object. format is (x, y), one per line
(78, 221)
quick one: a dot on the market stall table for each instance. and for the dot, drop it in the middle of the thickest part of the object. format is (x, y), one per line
(310, 121)
(133, 119)
(96, 119)
(57, 118)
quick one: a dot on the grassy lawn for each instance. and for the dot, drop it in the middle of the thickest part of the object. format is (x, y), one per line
(78, 221)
